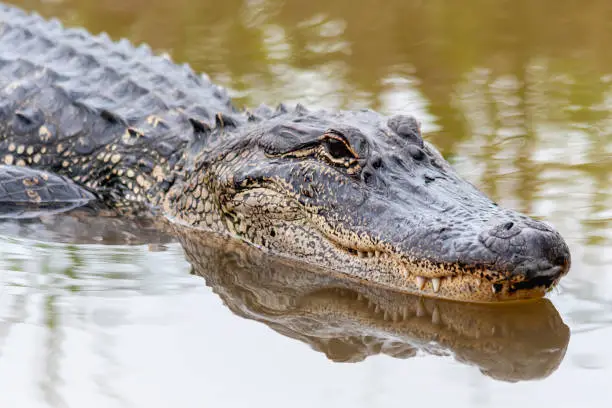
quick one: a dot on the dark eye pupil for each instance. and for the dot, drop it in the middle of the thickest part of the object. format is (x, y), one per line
(337, 149)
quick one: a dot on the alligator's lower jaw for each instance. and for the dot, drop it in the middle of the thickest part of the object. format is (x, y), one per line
(466, 288)
(452, 282)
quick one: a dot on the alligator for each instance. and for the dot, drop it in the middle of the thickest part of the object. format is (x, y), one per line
(85, 119)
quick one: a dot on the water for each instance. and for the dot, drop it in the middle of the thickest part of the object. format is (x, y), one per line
(516, 94)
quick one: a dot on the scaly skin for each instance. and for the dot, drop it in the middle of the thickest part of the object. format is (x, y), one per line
(355, 192)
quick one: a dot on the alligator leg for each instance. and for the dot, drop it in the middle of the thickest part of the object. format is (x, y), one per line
(26, 193)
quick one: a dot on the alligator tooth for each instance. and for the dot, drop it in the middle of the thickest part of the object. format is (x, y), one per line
(493, 288)
(435, 315)
(361, 254)
(377, 253)
(420, 312)
(371, 254)
(435, 282)
(420, 282)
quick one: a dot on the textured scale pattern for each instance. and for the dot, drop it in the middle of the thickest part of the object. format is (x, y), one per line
(107, 110)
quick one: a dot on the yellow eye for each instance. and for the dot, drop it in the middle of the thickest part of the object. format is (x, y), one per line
(337, 147)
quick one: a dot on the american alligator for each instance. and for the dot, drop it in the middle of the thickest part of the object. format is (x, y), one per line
(350, 191)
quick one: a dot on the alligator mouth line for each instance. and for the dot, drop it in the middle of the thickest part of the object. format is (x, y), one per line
(469, 280)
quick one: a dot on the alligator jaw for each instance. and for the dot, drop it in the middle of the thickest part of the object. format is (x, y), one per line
(462, 282)
(296, 235)
(450, 281)
(489, 277)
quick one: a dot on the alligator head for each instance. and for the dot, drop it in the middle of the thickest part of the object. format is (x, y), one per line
(365, 195)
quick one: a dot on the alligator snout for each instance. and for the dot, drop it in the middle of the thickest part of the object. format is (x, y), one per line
(528, 249)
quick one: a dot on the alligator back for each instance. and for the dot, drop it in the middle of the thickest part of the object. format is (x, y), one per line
(108, 115)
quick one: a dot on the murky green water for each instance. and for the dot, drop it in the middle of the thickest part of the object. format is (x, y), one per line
(518, 94)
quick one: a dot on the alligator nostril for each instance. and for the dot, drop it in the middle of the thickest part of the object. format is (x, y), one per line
(416, 153)
(505, 231)
(377, 163)
(561, 260)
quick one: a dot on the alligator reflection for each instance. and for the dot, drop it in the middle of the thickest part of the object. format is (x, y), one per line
(85, 225)
(349, 321)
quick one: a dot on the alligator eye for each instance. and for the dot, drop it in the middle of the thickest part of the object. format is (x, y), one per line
(338, 148)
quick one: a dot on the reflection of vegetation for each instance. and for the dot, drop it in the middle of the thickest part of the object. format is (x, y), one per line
(271, 50)
(441, 40)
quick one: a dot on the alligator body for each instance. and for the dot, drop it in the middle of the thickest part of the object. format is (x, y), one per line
(351, 191)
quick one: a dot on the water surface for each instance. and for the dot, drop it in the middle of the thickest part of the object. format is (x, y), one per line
(517, 94)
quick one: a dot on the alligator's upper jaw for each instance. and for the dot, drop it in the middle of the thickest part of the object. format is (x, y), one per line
(484, 254)
(508, 257)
